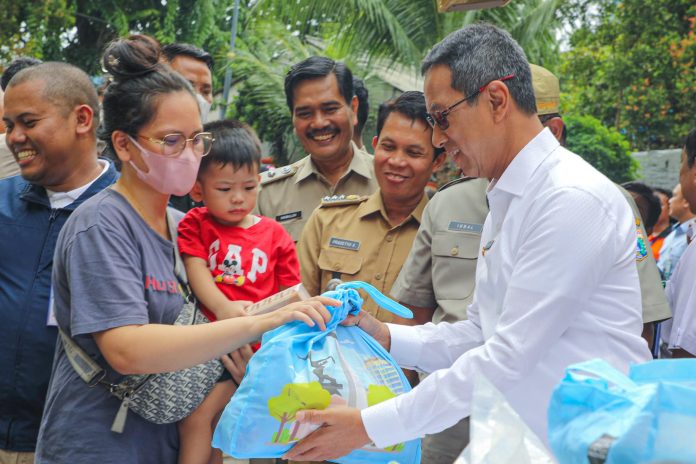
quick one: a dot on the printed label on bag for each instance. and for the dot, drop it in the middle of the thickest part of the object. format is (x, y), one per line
(599, 449)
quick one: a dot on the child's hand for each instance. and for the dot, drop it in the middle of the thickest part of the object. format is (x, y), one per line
(232, 309)
(311, 312)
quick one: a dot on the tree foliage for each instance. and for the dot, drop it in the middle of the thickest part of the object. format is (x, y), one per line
(602, 147)
(631, 65)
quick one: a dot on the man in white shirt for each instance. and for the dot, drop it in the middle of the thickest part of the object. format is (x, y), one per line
(681, 291)
(556, 281)
(675, 243)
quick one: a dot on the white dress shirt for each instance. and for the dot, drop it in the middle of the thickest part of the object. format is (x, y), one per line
(557, 285)
(681, 295)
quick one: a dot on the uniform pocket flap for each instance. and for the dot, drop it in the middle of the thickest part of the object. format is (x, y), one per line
(456, 245)
(345, 262)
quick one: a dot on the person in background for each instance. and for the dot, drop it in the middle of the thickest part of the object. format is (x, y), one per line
(232, 258)
(8, 166)
(51, 114)
(647, 202)
(363, 111)
(319, 93)
(680, 332)
(675, 243)
(663, 225)
(116, 288)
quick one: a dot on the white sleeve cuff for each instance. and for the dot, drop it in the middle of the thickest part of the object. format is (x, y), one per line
(383, 425)
(405, 345)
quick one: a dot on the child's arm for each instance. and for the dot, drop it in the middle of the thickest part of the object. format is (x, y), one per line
(206, 291)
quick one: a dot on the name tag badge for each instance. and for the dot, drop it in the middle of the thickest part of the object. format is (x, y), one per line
(343, 243)
(465, 227)
(287, 216)
(51, 316)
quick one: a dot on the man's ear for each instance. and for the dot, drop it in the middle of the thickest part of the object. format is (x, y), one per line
(375, 139)
(499, 99)
(555, 125)
(85, 119)
(197, 192)
(354, 108)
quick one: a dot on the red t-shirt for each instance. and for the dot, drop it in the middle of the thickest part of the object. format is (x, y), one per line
(247, 264)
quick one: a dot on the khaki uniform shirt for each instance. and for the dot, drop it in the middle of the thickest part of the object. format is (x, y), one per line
(8, 165)
(290, 194)
(655, 306)
(353, 240)
(440, 270)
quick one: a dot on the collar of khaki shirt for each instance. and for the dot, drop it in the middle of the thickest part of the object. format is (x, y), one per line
(361, 164)
(375, 204)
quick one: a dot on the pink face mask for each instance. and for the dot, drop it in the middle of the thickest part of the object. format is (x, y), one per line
(171, 176)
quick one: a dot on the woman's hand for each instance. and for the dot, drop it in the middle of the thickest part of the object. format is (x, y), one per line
(376, 329)
(311, 312)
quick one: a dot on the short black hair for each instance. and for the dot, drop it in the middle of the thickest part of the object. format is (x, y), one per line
(363, 104)
(235, 143)
(652, 213)
(410, 104)
(316, 67)
(690, 147)
(171, 51)
(17, 65)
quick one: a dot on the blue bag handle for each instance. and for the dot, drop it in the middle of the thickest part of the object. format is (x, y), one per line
(601, 370)
(382, 300)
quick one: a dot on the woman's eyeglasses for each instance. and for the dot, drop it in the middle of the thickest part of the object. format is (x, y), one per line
(172, 145)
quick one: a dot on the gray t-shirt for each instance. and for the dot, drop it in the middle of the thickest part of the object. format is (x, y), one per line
(110, 270)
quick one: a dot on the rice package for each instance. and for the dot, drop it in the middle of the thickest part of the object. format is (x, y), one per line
(300, 367)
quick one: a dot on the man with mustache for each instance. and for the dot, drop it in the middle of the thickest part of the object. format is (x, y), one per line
(319, 93)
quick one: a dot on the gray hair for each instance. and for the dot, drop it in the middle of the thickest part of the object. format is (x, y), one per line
(480, 53)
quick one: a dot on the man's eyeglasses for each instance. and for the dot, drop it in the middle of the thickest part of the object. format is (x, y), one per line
(440, 117)
(172, 145)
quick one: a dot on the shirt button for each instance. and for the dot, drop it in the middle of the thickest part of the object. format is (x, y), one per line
(454, 251)
(390, 238)
(378, 276)
(336, 265)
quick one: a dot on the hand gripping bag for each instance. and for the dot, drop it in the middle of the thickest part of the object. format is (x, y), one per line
(300, 367)
(599, 415)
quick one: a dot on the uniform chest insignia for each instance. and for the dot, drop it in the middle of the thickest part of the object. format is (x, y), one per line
(287, 216)
(346, 244)
(340, 200)
(641, 247)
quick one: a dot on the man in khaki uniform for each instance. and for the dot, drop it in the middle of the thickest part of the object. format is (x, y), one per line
(438, 277)
(319, 92)
(368, 238)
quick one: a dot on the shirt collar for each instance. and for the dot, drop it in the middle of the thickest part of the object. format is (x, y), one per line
(516, 176)
(375, 204)
(361, 164)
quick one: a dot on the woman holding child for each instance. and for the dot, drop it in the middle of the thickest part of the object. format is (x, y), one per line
(115, 288)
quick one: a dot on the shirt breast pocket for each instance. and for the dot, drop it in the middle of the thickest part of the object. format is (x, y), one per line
(454, 264)
(294, 228)
(338, 264)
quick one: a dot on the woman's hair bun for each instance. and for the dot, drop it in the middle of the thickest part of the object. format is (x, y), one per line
(131, 57)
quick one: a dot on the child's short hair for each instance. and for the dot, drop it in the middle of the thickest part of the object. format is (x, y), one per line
(235, 142)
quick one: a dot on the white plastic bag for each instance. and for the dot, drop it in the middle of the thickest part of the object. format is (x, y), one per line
(498, 435)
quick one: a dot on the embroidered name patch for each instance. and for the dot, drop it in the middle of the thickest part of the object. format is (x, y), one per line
(288, 216)
(343, 243)
(465, 227)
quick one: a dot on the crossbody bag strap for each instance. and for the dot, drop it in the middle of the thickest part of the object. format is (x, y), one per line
(86, 367)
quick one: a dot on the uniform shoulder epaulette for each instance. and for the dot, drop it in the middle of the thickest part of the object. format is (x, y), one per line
(455, 182)
(274, 174)
(342, 200)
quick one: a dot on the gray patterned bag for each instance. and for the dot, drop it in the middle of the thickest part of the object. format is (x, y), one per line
(160, 398)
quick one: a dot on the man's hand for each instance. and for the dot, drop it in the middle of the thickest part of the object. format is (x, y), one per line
(341, 432)
(236, 362)
(376, 329)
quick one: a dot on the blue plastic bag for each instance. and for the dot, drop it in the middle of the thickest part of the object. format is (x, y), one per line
(599, 415)
(300, 367)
